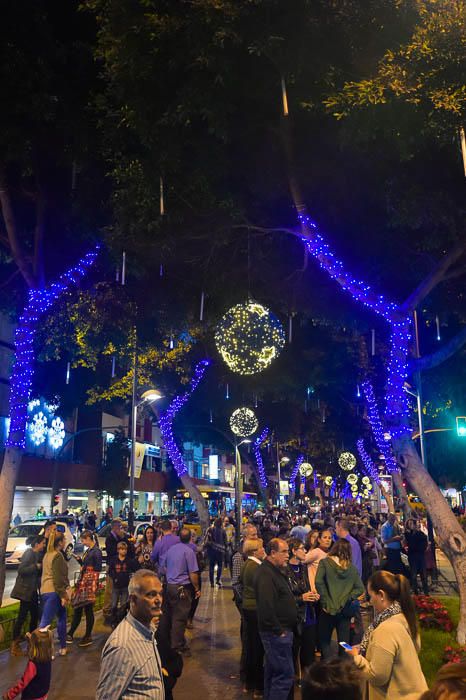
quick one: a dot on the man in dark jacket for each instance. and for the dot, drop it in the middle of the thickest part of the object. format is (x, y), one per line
(277, 616)
(25, 590)
(417, 544)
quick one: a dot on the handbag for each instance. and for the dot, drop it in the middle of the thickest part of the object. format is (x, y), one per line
(86, 588)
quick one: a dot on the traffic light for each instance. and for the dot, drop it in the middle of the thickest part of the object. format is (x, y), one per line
(461, 426)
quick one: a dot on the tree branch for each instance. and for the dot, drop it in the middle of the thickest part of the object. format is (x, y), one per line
(12, 233)
(437, 358)
(432, 280)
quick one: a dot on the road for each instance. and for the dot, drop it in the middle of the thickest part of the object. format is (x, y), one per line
(211, 672)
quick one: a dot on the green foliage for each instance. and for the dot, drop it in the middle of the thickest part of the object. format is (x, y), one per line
(427, 71)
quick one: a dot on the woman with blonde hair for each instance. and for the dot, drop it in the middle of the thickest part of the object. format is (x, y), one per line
(388, 653)
(55, 588)
(339, 586)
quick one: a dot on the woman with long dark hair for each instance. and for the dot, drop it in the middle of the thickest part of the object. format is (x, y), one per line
(84, 596)
(144, 549)
(388, 653)
(339, 586)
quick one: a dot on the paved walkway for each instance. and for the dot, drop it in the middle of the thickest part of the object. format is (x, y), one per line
(210, 673)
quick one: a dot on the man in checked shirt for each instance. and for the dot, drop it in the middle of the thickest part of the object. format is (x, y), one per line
(131, 667)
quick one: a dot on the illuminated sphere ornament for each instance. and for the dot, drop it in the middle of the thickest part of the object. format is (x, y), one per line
(306, 469)
(352, 479)
(368, 487)
(249, 337)
(347, 461)
(365, 480)
(328, 481)
(243, 422)
(354, 488)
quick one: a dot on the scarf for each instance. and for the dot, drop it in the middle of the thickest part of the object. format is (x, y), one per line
(393, 609)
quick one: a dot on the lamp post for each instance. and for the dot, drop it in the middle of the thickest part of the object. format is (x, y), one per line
(280, 461)
(238, 487)
(148, 396)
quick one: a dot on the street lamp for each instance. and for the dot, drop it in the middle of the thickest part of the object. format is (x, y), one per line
(283, 460)
(238, 487)
(148, 396)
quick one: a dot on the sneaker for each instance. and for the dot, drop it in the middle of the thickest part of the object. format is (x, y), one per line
(69, 639)
(63, 652)
(85, 642)
(219, 584)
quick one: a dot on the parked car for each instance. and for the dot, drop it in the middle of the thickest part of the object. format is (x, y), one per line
(18, 535)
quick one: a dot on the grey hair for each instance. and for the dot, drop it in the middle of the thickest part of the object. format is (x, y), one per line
(134, 586)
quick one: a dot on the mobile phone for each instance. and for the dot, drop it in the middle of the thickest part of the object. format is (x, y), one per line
(345, 646)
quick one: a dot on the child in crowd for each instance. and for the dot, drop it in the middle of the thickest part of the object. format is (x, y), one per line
(35, 681)
(120, 570)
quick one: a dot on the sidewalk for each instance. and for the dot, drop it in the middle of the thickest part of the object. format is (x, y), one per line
(210, 673)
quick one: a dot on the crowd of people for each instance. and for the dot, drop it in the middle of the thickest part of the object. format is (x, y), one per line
(297, 583)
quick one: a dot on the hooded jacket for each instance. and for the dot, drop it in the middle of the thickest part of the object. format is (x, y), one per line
(336, 585)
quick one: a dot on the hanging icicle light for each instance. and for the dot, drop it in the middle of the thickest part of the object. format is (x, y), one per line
(249, 337)
(347, 461)
(243, 422)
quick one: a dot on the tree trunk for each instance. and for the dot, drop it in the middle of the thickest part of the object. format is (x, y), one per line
(402, 495)
(450, 535)
(8, 478)
(198, 501)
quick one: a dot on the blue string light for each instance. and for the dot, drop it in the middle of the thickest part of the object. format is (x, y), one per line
(40, 301)
(295, 471)
(369, 467)
(257, 454)
(167, 417)
(397, 406)
(376, 425)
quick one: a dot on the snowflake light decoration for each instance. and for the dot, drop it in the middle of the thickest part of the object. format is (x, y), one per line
(249, 337)
(38, 428)
(347, 461)
(306, 469)
(56, 433)
(243, 422)
(352, 479)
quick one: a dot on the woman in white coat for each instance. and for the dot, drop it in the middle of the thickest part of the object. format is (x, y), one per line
(388, 653)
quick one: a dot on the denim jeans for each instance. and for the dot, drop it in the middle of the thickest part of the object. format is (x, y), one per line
(417, 565)
(52, 607)
(278, 665)
(25, 607)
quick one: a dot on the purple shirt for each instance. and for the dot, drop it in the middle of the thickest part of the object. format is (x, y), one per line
(356, 554)
(161, 547)
(180, 562)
